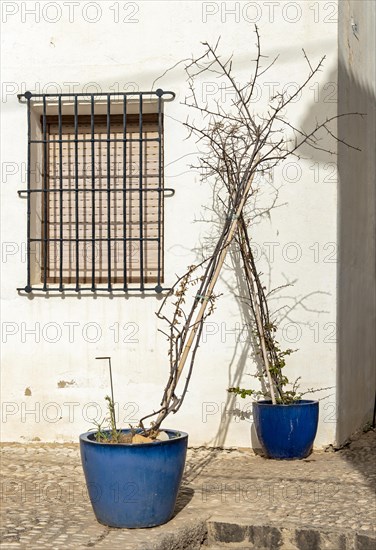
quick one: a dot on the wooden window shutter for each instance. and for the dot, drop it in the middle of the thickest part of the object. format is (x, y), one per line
(82, 212)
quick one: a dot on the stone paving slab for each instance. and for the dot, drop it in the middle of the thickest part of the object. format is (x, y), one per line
(242, 534)
(45, 505)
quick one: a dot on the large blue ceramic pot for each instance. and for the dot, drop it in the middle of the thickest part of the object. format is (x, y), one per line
(133, 485)
(286, 431)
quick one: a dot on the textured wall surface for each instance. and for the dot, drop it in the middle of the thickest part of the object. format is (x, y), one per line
(51, 384)
(357, 210)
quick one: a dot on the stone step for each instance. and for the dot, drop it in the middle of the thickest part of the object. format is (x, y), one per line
(244, 534)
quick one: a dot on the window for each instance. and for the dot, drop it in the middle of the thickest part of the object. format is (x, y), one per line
(95, 192)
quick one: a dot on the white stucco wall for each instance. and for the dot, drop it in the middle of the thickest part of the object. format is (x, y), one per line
(50, 389)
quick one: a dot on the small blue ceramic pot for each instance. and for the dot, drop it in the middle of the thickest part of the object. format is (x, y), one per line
(286, 431)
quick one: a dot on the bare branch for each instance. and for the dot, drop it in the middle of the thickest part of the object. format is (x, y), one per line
(235, 144)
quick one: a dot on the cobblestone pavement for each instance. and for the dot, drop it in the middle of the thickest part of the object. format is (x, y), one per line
(44, 501)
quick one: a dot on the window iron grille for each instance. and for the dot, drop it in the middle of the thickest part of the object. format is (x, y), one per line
(99, 158)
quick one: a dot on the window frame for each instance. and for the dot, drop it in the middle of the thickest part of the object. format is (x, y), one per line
(61, 105)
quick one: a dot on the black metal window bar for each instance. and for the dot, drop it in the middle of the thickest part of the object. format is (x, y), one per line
(95, 192)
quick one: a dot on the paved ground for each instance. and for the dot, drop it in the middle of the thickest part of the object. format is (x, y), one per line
(44, 502)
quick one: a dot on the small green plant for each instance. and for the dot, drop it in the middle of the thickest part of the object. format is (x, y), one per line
(276, 358)
(288, 397)
(106, 430)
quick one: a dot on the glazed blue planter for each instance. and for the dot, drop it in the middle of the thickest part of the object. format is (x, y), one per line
(286, 431)
(133, 485)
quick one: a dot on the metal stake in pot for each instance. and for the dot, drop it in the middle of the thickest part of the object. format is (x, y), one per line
(112, 388)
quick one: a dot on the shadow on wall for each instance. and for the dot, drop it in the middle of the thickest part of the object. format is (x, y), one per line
(356, 373)
(356, 270)
(356, 222)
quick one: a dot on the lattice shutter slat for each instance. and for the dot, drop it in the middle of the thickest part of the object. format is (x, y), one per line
(63, 198)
